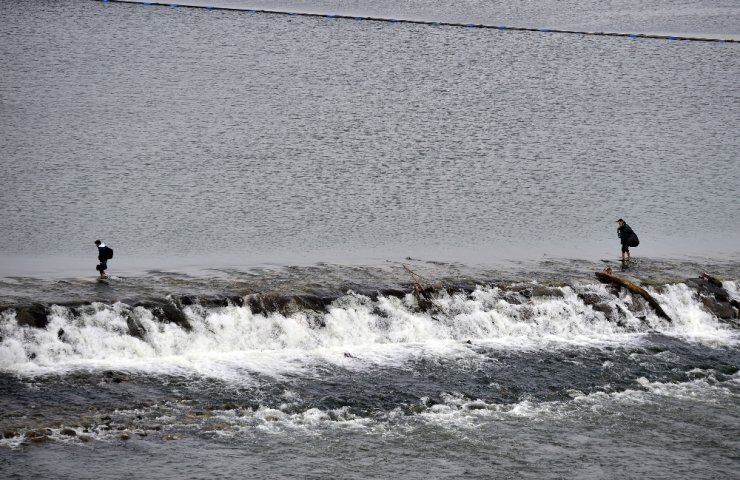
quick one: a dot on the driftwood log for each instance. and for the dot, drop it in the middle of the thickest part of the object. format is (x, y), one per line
(615, 280)
(423, 289)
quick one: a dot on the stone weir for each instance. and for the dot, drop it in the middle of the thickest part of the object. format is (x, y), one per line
(709, 291)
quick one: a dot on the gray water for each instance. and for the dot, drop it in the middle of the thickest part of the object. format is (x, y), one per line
(234, 159)
(197, 135)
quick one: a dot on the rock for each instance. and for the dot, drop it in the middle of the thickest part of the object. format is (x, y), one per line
(604, 308)
(269, 303)
(531, 291)
(186, 300)
(722, 310)
(715, 298)
(709, 288)
(235, 300)
(124, 436)
(597, 304)
(174, 315)
(85, 438)
(589, 298)
(540, 291)
(115, 377)
(9, 434)
(166, 312)
(517, 298)
(33, 316)
(69, 432)
(38, 436)
(388, 292)
(711, 280)
(135, 328)
(313, 302)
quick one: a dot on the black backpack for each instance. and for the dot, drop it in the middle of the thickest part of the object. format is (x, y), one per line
(108, 253)
(634, 241)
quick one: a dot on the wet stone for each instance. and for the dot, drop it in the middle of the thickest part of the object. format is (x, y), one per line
(135, 328)
(709, 287)
(590, 298)
(722, 310)
(115, 377)
(32, 316)
(38, 436)
(540, 291)
(516, 298)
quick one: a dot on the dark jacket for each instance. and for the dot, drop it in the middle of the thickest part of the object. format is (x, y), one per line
(102, 253)
(627, 236)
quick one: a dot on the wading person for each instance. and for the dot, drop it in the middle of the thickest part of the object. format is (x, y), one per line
(105, 253)
(628, 238)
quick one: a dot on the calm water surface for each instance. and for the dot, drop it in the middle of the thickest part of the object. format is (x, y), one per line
(192, 133)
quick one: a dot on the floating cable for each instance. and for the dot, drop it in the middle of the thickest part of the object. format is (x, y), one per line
(446, 24)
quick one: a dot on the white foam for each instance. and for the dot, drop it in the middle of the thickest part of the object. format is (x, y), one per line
(690, 321)
(455, 412)
(356, 332)
(732, 289)
(459, 412)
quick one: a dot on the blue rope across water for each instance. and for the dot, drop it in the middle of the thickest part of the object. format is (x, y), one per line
(435, 23)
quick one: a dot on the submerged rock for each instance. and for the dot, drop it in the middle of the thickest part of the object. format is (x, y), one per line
(39, 436)
(115, 377)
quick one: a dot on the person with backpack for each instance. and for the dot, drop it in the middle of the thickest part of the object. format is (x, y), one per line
(628, 238)
(105, 253)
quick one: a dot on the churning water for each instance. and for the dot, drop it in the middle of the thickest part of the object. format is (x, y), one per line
(213, 149)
